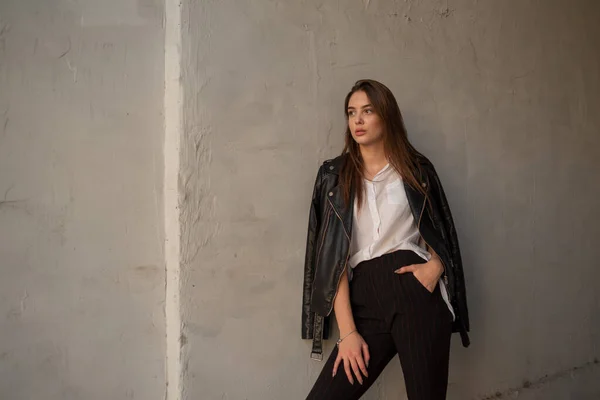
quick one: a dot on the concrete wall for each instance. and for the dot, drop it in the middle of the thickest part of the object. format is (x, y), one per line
(503, 96)
(81, 241)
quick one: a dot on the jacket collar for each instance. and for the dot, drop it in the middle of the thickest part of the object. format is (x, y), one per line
(345, 212)
(336, 194)
(334, 166)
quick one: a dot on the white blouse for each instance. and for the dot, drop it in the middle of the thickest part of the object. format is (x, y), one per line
(385, 223)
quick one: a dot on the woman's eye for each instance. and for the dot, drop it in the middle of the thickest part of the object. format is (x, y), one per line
(369, 111)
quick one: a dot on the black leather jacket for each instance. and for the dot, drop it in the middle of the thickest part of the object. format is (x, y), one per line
(328, 243)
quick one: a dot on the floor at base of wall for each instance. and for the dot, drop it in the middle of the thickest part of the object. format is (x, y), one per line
(577, 384)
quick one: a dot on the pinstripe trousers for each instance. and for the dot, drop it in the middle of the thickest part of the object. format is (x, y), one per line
(395, 314)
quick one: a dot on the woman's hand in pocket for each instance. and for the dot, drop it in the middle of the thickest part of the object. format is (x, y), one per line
(428, 274)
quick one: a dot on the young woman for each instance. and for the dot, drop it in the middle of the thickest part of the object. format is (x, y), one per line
(382, 253)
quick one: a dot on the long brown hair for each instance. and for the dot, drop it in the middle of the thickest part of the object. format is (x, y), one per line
(402, 156)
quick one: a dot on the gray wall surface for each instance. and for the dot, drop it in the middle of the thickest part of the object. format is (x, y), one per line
(503, 96)
(81, 238)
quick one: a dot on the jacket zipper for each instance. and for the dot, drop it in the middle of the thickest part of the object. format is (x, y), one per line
(345, 263)
(419, 229)
(323, 238)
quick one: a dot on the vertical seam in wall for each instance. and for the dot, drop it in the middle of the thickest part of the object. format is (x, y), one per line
(173, 105)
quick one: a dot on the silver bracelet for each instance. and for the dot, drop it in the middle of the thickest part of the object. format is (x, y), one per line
(340, 339)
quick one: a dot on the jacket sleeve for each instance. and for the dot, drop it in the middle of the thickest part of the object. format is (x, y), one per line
(309, 259)
(452, 243)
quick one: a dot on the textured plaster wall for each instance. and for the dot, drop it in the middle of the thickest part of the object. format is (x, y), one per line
(81, 242)
(503, 96)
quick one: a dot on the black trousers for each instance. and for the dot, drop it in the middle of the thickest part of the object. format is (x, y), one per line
(395, 314)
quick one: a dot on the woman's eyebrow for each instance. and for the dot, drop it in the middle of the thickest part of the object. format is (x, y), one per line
(365, 106)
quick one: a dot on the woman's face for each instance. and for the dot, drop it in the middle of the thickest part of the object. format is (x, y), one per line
(365, 125)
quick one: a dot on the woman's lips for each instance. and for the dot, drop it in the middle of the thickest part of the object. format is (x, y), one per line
(360, 132)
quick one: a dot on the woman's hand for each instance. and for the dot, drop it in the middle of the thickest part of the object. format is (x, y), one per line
(354, 352)
(428, 273)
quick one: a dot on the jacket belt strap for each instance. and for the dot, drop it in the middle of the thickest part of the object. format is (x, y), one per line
(464, 338)
(317, 345)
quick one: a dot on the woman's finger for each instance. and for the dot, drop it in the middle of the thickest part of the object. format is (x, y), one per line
(361, 365)
(356, 369)
(405, 269)
(336, 364)
(366, 354)
(348, 372)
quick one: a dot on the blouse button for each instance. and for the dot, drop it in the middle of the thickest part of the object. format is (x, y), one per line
(330, 194)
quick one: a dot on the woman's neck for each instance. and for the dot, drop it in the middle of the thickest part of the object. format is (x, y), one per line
(374, 159)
